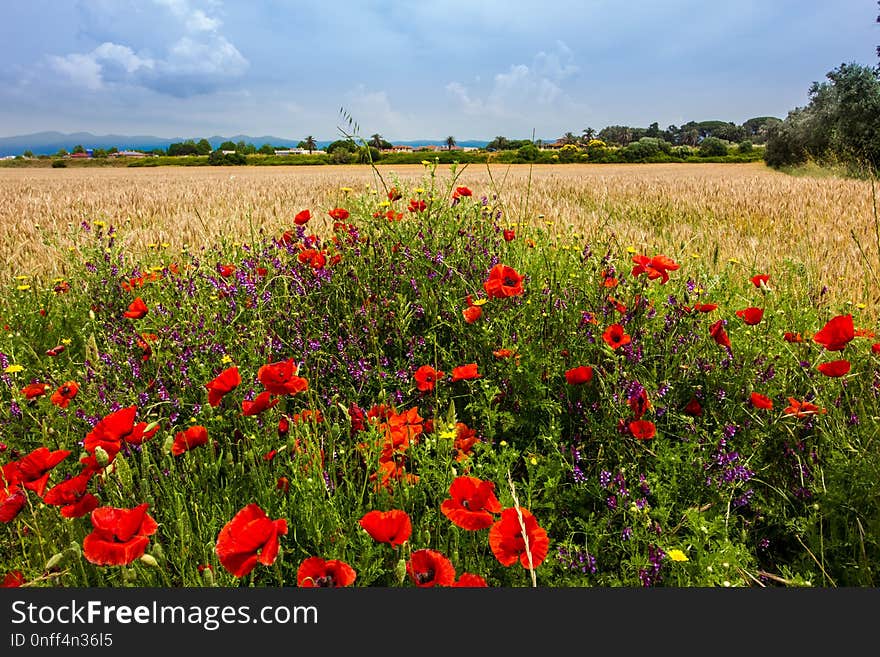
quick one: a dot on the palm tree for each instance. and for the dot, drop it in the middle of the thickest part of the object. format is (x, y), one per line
(450, 143)
(589, 133)
(569, 138)
(377, 141)
(310, 144)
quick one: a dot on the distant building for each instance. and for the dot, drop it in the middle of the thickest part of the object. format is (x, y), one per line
(127, 154)
(296, 151)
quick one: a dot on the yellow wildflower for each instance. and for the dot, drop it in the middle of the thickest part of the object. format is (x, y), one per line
(677, 555)
(12, 369)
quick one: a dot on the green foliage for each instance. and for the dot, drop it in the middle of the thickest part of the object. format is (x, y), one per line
(58, 164)
(712, 147)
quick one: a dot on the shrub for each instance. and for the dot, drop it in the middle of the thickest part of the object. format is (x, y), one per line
(58, 164)
(713, 147)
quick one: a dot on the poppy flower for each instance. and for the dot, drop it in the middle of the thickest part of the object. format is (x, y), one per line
(116, 427)
(834, 368)
(222, 384)
(760, 280)
(71, 495)
(789, 336)
(508, 544)
(462, 191)
(502, 353)
(393, 527)
(302, 217)
(34, 390)
(694, 408)
(427, 568)
(137, 309)
(657, 267)
(705, 307)
(750, 315)
(226, 270)
(470, 580)
(12, 579)
(32, 471)
(508, 234)
(417, 205)
(184, 441)
(12, 501)
(642, 429)
(394, 194)
(315, 572)
(875, 348)
(260, 403)
(339, 214)
(56, 350)
(426, 377)
(579, 375)
(718, 333)
(615, 336)
(472, 314)
(761, 401)
(801, 408)
(836, 333)
(472, 503)
(65, 393)
(639, 403)
(465, 372)
(248, 539)
(119, 536)
(280, 378)
(503, 282)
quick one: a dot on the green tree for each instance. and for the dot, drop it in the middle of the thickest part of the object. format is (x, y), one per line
(203, 147)
(376, 140)
(28, 153)
(78, 149)
(266, 149)
(227, 146)
(309, 144)
(498, 144)
(61, 153)
(450, 143)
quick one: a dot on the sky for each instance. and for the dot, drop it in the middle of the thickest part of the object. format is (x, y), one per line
(471, 69)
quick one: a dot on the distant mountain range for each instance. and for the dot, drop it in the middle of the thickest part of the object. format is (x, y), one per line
(49, 143)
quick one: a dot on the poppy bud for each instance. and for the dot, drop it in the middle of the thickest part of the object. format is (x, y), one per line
(54, 561)
(400, 571)
(101, 456)
(149, 560)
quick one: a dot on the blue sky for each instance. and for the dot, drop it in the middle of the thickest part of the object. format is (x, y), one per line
(473, 69)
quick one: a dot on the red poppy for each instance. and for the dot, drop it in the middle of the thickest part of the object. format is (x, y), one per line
(760, 280)
(184, 441)
(393, 527)
(639, 403)
(32, 471)
(502, 353)
(472, 314)
(875, 348)
(694, 408)
(508, 544)
(642, 429)
(302, 217)
(226, 270)
(761, 401)
(71, 495)
(750, 315)
(280, 378)
(339, 214)
(508, 235)
(836, 333)
(503, 282)
(116, 427)
(136, 309)
(465, 372)
(54, 351)
(119, 536)
(719, 334)
(465, 439)
(793, 337)
(470, 580)
(462, 191)
(427, 568)
(248, 539)
(12, 501)
(657, 267)
(12, 579)
(260, 403)
(579, 375)
(283, 484)
(426, 377)
(223, 383)
(834, 368)
(417, 205)
(394, 194)
(615, 336)
(801, 408)
(34, 390)
(705, 307)
(65, 393)
(315, 572)
(472, 503)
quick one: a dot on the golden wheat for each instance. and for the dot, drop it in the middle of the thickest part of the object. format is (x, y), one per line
(718, 212)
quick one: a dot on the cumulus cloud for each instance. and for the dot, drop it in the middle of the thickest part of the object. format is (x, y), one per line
(197, 59)
(521, 87)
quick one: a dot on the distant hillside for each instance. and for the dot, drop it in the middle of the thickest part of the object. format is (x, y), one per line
(49, 143)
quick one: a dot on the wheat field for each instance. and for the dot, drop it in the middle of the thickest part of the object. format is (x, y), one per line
(718, 213)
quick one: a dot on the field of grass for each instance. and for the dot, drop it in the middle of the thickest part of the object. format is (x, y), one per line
(621, 375)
